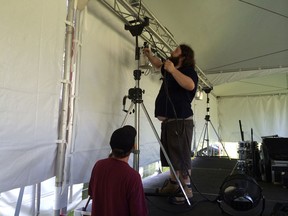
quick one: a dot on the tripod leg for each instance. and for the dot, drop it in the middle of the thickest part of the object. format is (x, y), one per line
(136, 151)
(205, 138)
(128, 112)
(219, 139)
(200, 140)
(164, 152)
(137, 141)
(204, 135)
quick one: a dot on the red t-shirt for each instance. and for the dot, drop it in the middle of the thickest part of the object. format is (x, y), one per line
(116, 190)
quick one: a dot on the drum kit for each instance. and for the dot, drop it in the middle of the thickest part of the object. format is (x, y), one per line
(249, 155)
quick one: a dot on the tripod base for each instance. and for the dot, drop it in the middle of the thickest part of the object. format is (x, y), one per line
(209, 150)
(137, 152)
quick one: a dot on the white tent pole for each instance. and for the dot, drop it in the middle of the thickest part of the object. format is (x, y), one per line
(71, 120)
(64, 113)
(38, 198)
(33, 203)
(19, 201)
(75, 78)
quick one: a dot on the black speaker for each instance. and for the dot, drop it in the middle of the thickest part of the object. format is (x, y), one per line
(276, 148)
(272, 148)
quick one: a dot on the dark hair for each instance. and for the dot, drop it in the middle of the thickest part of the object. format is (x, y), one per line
(188, 54)
(119, 153)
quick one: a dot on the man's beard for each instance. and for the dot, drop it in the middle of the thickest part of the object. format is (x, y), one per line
(174, 60)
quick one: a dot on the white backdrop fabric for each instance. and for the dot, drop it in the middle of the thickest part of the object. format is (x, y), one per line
(106, 75)
(266, 115)
(31, 62)
(30, 88)
(31, 59)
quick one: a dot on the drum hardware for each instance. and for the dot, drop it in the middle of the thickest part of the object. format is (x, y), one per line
(249, 156)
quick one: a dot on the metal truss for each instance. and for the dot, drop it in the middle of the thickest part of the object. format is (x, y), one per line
(155, 34)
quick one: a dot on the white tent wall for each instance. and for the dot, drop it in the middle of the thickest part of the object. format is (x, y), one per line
(108, 62)
(30, 87)
(31, 61)
(266, 115)
(30, 70)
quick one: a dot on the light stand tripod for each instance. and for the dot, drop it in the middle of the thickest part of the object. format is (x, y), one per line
(135, 95)
(209, 149)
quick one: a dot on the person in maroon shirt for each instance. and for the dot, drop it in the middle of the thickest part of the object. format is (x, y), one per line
(115, 188)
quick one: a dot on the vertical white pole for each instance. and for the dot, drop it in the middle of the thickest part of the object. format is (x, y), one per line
(64, 112)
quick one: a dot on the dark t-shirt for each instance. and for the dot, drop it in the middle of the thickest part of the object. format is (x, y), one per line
(173, 101)
(116, 190)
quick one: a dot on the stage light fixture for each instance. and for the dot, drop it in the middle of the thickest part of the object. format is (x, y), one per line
(240, 195)
(199, 95)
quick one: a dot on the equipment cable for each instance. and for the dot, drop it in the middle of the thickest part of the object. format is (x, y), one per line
(178, 130)
(169, 100)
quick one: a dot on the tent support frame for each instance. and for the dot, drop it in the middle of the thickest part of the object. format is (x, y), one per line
(60, 194)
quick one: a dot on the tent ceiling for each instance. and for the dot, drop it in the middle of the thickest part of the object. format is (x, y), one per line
(231, 36)
(269, 84)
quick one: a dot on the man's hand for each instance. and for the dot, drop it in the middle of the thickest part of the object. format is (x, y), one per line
(183, 80)
(169, 66)
(147, 52)
(156, 62)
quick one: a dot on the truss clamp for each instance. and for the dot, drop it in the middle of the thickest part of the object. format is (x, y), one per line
(137, 27)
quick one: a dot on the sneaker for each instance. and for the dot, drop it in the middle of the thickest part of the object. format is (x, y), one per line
(179, 198)
(169, 187)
